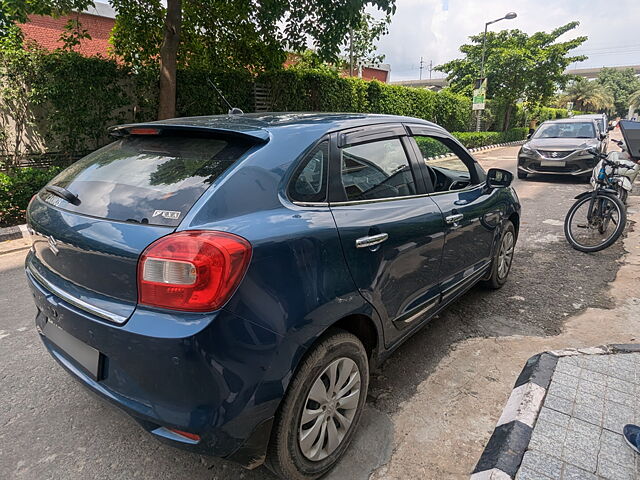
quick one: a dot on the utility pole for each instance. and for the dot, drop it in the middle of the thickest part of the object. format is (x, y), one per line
(421, 67)
(430, 68)
(508, 16)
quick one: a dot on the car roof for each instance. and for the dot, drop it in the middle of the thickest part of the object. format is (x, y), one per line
(568, 120)
(259, 125)
(591, 115)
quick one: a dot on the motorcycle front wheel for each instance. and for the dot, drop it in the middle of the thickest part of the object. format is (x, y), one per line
(598, 230)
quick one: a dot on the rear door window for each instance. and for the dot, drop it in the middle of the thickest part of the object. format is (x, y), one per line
(146, 179)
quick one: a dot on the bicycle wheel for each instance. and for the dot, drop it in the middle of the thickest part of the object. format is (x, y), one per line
(608, 219)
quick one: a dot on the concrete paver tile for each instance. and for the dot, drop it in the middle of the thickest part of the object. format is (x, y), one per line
(595, 377)
(552, 416)
(562, 391)
(574, 473)
(588, 414)
(542, 463)
(567, 368)
(617, 416)
(613, 471)
(562, 405)
(566, 379)
(621, 385)
(592, 401)
(614, 450)
(590, 388)
(621, 398)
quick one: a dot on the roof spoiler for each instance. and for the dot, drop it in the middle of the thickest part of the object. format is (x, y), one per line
(255, 136)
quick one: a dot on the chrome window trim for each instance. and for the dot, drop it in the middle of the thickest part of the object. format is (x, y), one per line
(376, 200)
(309, 204)
(76, 302)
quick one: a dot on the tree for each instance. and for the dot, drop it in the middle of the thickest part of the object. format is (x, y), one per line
(169, 60)
(231, 34)
(518, 66)
(621, 84)
(12, 11)
(588, 96)
(361, 42)
(634, 100)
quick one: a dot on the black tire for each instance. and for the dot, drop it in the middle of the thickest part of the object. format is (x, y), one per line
(522, 175)
(498, 277)
(622, 216)
(284, 455)
(623, 195)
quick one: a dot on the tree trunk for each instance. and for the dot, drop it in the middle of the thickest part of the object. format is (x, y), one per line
(507, 117)
(169, 60)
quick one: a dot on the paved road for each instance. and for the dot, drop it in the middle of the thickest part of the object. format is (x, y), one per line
(53, 428)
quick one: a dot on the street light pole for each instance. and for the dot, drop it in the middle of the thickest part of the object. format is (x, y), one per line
(508, 16)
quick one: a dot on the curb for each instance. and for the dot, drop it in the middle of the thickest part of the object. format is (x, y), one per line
(497, 145)
(14, 233)
(480, 149)
(509, 441)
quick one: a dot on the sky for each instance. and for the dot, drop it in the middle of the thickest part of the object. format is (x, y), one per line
(434, 29)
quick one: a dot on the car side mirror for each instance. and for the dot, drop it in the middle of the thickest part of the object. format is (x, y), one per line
(603, 136)
(529, 135)
(610, 127)
(499, 178)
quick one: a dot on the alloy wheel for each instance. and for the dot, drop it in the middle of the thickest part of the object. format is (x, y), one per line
(505, 256)
(329, 409)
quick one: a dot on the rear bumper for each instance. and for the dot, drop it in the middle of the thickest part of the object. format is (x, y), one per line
(198, 373)
(571, 165)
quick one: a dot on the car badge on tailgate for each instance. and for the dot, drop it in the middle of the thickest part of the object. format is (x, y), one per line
(170, 214)
(53, 245)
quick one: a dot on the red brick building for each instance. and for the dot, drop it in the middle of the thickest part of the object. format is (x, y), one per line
(379, 72)
(98, 21)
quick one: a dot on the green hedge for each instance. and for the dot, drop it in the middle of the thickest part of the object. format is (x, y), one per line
(482, 139)
(67, 101)
(477, 139)
(295, 90)
(17, 189)
(527, 116)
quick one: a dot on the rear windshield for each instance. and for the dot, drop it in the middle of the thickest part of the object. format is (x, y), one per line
(146, 179)
(566, 130)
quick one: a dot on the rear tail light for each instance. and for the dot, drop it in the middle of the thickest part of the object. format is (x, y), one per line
(192, 271)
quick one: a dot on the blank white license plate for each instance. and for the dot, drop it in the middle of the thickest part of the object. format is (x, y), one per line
(552, 163)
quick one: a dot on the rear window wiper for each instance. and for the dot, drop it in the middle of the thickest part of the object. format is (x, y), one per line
(63, 193)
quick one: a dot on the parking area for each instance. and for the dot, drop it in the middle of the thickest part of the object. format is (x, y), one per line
(432, 406)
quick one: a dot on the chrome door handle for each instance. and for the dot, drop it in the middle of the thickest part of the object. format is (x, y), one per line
(370, 241)
(454, 218)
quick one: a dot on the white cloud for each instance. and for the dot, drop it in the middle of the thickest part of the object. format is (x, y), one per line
(434, 29)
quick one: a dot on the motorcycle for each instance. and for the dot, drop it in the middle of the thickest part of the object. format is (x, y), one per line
(625, 174)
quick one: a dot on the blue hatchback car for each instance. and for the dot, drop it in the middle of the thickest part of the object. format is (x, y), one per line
(229, 281)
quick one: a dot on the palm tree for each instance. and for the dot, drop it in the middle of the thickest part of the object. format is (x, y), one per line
(588, 96)
(634, 100)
